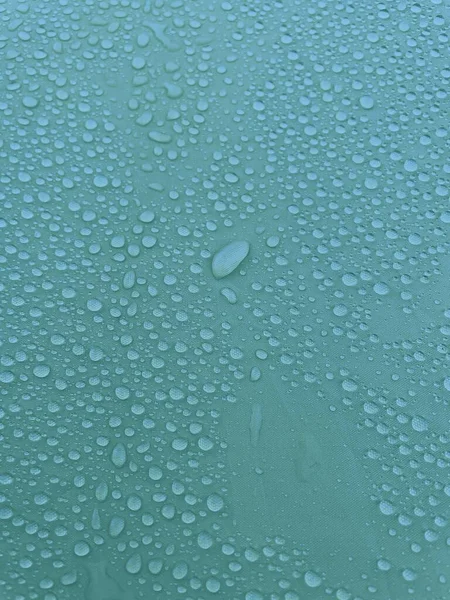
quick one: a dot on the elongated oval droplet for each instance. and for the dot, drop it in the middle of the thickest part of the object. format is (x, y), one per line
(229, 258)
(119, 455)
(116, 526)
(101, 492)
(255, 374)
(95, 520)
(129, 279)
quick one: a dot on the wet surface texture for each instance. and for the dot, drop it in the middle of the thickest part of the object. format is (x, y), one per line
(225, 315)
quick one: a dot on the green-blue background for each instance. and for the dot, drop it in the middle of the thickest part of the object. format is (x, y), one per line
(278, 433)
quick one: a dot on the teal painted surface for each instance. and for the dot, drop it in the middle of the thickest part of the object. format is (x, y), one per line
(224, 300)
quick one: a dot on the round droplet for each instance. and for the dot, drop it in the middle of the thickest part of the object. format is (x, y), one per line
(30, 101)
(41, 371)
(415, 239)
(419, 423)
(180, 571)
(383, 564)
(94, 304)
(273, 241)
(367, 102)
(312, 580)
(147, 216)
(148, 241)
(340, 310)
(5, 513)
(100, 181)
(155, 566)
(205, 540)
(205, 444)
(138, 63)
(212, 585)
(410, 165)
(386, 508)
(381, 288)
(214, 502)
(155, 473)
(349, 279)
(82, 549)
(409, 575)
(7, 377)
(134, 503)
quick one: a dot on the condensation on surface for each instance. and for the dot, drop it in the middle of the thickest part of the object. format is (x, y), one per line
(224, 300)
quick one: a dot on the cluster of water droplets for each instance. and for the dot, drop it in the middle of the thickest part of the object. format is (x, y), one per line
(214, 215)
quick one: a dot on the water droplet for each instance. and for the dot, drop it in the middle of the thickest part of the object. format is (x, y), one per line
(215, 503)
(119, 455)
(82, 549)
(227, 259)
(134, 564)
(116, 526)
(312, 579)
